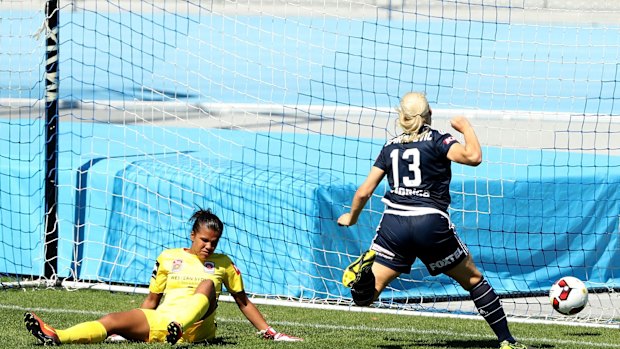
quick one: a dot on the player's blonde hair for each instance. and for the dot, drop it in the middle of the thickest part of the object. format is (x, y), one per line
(413, 113)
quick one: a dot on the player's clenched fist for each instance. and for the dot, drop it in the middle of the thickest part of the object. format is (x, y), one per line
(460, 123)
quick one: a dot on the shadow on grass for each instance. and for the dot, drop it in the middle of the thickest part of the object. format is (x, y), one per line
(420, 343)
(584, 334)
(219, 341)
(455, 343)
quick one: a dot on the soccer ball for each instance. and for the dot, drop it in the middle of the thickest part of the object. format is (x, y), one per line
(568, 295)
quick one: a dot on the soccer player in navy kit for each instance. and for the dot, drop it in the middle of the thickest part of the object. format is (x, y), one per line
(415, 223)
(181, 305)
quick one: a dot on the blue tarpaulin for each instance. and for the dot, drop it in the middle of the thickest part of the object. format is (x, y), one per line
(528, 216)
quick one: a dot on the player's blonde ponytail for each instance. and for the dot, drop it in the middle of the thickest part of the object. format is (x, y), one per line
(413, 113)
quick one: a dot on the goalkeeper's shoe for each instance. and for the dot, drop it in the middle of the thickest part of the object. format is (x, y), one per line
(508, 345)
(175, 332)
(354, 271)
(44, 333)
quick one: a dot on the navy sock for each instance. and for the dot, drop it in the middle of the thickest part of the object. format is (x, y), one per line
(489, 306)
(363, 291)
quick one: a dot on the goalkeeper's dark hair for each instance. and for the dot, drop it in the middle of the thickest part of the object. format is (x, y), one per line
(207, 219)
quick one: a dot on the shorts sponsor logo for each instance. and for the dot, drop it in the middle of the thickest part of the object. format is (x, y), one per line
(383, 252)
(446, 261)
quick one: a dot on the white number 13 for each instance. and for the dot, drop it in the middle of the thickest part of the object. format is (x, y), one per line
(412, 157)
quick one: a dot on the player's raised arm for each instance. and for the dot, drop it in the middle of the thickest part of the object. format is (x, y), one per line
(469, 153)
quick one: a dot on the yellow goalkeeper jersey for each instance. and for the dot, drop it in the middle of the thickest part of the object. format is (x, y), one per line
(177, 273)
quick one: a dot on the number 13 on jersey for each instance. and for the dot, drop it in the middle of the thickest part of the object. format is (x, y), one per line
(411, 158)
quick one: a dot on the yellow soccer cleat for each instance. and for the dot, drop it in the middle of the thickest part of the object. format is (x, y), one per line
(354, 271)
(508, 345)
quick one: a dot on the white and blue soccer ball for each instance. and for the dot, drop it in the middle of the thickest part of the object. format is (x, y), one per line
(568, 295)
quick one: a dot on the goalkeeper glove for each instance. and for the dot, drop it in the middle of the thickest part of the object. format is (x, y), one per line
(272, 334)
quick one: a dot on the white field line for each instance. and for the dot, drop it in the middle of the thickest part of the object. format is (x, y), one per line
(71, 285)
(345, 328)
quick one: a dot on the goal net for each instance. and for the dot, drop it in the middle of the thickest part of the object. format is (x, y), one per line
(119, 118)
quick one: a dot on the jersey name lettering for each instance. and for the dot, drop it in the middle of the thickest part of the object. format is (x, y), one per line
(411, 192)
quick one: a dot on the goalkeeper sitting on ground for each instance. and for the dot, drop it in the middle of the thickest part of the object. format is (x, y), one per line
(191, 280)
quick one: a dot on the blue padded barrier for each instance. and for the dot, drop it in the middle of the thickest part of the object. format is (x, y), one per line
(528, 216)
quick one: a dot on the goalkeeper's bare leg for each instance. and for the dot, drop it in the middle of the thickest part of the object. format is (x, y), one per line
(130, 324)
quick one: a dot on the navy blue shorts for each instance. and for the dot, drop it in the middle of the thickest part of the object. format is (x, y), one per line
(400, 239)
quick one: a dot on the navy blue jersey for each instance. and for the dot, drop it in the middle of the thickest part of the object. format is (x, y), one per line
(418, 172)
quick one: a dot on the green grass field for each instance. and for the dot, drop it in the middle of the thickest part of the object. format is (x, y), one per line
(327, 329)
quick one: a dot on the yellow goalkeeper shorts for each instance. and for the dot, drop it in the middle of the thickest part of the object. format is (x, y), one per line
(158, 320)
